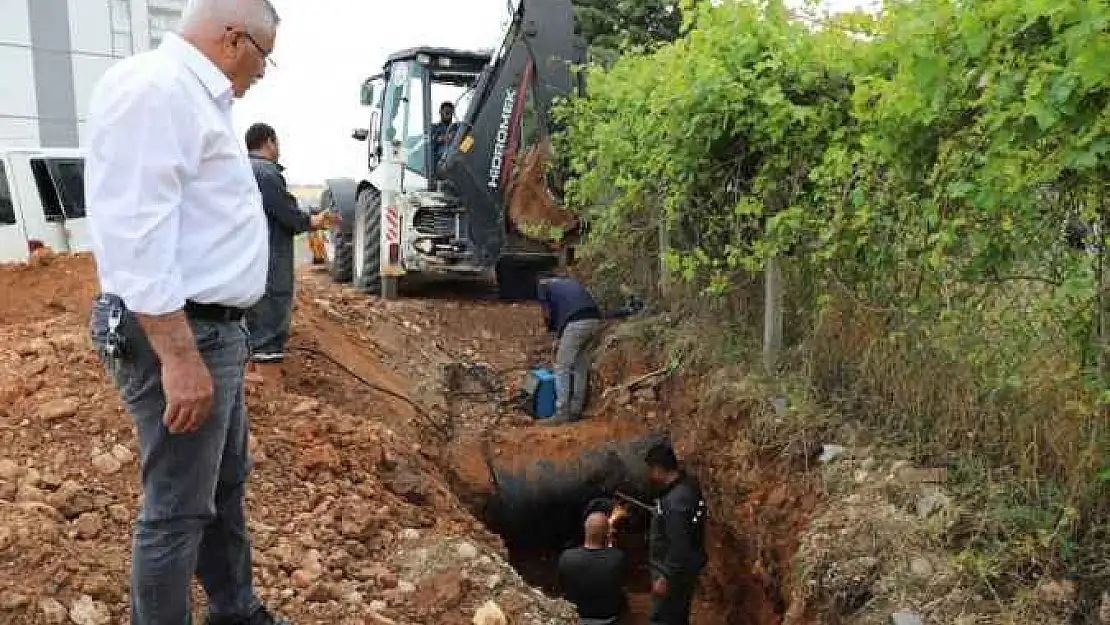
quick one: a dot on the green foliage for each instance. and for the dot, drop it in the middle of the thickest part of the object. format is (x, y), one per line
(610, 26)
(923, 173)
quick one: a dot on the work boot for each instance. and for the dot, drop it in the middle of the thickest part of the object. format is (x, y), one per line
(261, 616)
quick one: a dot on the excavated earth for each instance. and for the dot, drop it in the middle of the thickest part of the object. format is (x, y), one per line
(364, 504)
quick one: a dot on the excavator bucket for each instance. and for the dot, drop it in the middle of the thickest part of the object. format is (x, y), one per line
(532, 209)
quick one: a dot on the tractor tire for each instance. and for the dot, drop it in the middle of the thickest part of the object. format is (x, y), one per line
(338, 245)
(367, 242)
(340, 262)
(516, 280)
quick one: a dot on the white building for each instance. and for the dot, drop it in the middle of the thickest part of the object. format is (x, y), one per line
(52, 52)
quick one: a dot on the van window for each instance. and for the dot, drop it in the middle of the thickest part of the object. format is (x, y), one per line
(61, 185)
(7, 207)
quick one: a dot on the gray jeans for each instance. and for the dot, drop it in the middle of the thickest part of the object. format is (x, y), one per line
(191, 521)
(573, 358)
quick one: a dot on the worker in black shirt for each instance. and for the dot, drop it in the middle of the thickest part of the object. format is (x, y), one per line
(593, 576)
(677, 537)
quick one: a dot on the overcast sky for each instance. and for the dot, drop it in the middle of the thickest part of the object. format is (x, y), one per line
(326, 48)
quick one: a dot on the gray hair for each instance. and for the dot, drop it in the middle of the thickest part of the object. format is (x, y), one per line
(256, 16)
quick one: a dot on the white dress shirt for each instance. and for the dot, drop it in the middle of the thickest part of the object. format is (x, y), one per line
(174, 212)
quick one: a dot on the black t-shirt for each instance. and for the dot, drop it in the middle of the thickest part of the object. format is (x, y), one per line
(593, 580)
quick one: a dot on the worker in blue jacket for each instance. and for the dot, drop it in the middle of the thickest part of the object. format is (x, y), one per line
(572, 314)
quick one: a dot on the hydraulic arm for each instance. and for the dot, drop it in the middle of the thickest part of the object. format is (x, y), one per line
(511, 109)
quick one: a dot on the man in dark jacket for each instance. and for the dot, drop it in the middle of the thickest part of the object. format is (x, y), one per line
(268, 321)
(572, 314)
(677, 537)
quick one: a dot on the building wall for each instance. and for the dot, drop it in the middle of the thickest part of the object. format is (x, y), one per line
(52, 52)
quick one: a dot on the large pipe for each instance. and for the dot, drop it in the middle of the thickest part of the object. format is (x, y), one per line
(542, 504)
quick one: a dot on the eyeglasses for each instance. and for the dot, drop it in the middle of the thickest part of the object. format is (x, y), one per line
(261, 50)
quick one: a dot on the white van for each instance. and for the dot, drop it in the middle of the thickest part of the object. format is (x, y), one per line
(42, 202)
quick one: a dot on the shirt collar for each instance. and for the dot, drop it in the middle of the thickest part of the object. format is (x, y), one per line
(214, 80)
(258, 155)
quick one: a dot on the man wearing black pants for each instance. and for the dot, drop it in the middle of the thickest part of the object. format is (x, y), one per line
(677, 549)
(268, 320)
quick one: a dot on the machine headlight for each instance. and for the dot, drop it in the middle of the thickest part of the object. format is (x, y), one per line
(424, 246)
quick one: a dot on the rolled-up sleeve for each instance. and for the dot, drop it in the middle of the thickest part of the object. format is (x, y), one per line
(138, 159)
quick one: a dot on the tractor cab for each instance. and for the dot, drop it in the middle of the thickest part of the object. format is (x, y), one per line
(406, 99)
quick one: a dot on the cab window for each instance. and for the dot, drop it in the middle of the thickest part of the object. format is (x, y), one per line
(7, 207)
(61, 185)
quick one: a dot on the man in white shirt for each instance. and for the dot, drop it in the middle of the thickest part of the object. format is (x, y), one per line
(180, 240)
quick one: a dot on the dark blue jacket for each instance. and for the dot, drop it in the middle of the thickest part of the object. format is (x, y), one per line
(286, 220)
(565, 300)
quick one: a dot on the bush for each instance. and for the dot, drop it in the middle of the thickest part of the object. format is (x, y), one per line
(917, 173)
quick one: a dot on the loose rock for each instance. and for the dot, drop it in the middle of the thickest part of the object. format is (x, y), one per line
(106, 464)
(88, 525)
(58, 409)
(921, 567)
(931, 500)
(1059, 593)
(10, 470)
(53, 612)
(490, 614)
(71, 499)
(830, 453)
(123, 454)
(467, 551)
(11, 601)
(85, 611)
(906, 618)
(119, 513)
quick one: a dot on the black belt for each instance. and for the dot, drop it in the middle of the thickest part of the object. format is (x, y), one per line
(213, 312)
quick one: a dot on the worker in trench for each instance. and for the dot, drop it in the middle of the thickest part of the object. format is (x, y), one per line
(677, 537)
(268, 321)
(593, 576)
(572, 314)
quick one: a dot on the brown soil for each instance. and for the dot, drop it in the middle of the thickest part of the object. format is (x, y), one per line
(27, 297)
(353, 503)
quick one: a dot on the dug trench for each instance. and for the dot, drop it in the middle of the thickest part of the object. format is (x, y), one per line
(530, 484)
(395, 479)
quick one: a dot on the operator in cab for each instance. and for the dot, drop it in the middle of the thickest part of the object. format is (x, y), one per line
(593, 576)
(441, 130)
(677, 537)
(574, 316)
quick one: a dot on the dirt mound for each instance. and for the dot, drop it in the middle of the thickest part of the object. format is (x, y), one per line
(50, 285)
(351, 516)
